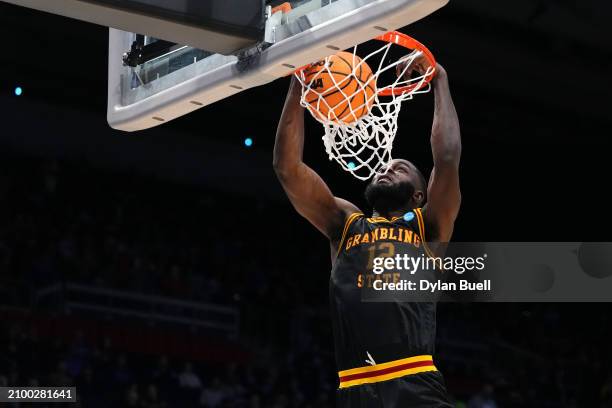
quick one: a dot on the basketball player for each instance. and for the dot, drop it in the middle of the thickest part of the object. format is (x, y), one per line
(383, 349)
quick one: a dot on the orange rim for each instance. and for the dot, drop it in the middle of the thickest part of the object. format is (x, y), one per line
(403, 40)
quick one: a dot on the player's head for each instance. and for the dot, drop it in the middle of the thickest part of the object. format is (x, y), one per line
(397, 186)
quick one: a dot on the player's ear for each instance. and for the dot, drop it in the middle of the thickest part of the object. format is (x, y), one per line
(418, 197)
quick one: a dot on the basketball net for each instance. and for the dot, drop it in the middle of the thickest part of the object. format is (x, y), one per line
(364, 147)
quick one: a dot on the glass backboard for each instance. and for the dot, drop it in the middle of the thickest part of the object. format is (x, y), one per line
(152, 80)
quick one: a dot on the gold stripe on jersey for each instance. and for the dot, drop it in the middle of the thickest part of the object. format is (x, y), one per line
(347, 225)
(376, 220)
(422, 232)
(386, 371)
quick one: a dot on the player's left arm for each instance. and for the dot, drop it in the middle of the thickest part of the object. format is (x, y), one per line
(443, 192)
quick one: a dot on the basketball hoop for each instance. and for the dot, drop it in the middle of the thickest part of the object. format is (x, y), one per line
(364, 146)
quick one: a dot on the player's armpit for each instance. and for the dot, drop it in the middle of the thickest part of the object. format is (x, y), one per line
(313, 200)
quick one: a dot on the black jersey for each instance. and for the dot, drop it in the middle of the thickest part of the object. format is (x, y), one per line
(375, 339)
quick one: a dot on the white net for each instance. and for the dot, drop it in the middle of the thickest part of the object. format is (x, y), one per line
(361, 125)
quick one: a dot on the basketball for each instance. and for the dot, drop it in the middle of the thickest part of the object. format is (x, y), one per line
(340, 88)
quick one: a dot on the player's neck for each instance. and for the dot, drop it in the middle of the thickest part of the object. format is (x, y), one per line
(392, 213)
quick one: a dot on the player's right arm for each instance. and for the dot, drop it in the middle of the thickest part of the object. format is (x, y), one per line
(306, 190)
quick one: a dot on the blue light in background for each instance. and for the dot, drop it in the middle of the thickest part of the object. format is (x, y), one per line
(18, 91)
(248, 142)
(351, 166)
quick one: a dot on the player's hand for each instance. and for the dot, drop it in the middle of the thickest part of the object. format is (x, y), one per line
(420, 65)
(440, 71)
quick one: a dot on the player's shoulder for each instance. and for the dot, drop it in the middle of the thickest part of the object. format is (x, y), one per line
(347, 214)
(352, 218)
(346, 207)
(430, 230)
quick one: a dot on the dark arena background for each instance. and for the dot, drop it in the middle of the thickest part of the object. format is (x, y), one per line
(166, 268)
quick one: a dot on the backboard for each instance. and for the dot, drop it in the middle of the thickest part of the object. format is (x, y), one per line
(152, 81)
(223, 26)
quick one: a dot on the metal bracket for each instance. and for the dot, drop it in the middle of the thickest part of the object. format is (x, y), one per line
(140, 53)
(273, 21)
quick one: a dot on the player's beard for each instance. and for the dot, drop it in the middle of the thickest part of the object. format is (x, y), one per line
(389, 197)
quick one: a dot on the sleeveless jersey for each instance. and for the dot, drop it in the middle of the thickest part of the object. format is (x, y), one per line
(377, 330)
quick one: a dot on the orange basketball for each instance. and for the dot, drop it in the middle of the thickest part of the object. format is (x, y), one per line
(339, 92)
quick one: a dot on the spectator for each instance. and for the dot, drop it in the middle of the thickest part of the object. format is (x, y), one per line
(213, 395)
(132, 398)
(151, 399)
(190, 384)
(122, 374)
(189, 379)
(162, 375)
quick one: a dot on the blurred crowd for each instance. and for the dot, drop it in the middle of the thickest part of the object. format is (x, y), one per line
(70, 222)
(132, 233)
(106, 378)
